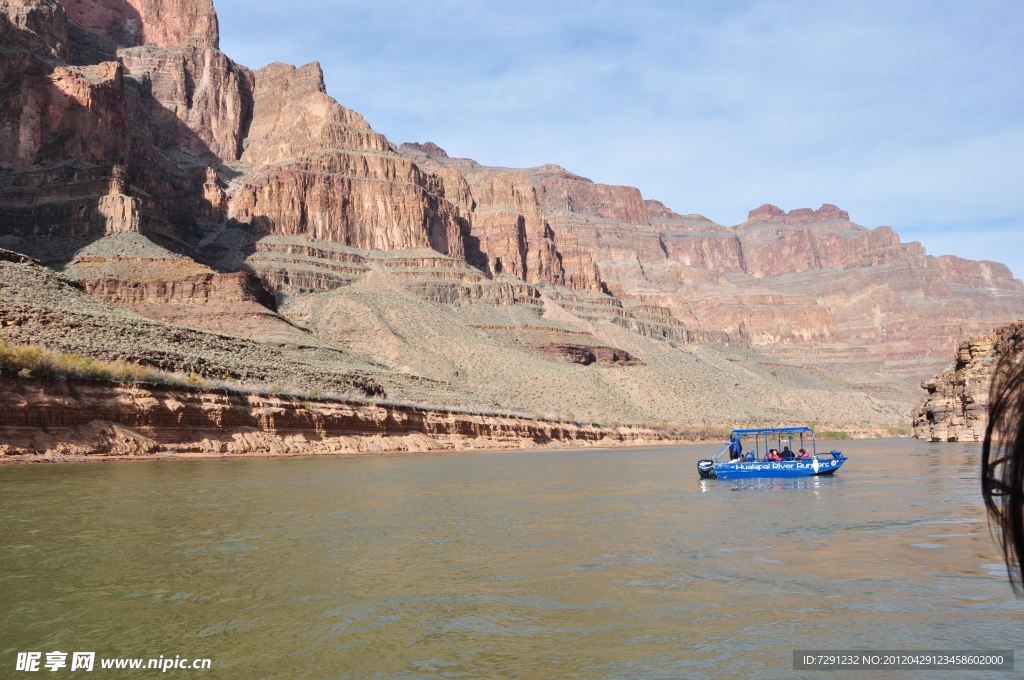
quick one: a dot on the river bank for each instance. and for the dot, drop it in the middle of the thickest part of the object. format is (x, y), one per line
(54, 419)
(67, 418)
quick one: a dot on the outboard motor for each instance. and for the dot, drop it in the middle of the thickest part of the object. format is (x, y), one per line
(706, 468)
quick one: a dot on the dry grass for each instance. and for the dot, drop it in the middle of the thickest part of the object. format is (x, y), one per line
(30, 361)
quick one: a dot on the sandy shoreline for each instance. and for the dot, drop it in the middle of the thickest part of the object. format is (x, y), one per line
(77, 420)
(183, 457)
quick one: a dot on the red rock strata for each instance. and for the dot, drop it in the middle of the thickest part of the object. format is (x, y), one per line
(805, 277)
(63, 418)
(163, 176)
(164, 23)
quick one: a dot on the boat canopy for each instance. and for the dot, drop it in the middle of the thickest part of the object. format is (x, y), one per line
(774, 430)
(783, 437)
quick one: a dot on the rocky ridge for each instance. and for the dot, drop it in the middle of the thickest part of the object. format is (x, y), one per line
(956, 408)
(376, 338)
(250, 209)
(809, 278)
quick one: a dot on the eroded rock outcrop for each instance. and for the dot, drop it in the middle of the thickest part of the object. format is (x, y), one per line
(808, 277)
(163, 23)
(81, 143)
(956, 408)
(62, 418)
(326, 174)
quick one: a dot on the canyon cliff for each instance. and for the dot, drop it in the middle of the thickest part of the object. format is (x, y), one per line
(956, 408)
(806, 285)
(248, 208)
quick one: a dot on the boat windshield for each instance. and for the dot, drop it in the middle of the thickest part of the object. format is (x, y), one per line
(778, 443)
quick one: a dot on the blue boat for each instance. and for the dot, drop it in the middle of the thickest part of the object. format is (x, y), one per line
(770, 452)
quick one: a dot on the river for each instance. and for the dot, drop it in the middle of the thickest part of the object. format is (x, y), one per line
(560, 564)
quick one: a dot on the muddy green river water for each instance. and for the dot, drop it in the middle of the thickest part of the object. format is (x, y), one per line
(564, 564)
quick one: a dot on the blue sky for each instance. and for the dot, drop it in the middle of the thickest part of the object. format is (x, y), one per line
(908, 114)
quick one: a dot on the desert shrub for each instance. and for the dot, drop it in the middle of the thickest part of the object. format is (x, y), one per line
(31, 361)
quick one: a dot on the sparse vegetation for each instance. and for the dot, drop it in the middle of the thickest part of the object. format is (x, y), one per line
(29, 361)
(42, 310)
(832, 434)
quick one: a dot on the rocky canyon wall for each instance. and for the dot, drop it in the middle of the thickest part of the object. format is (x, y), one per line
(139, 90)
(162, 23)
(173, 182)
(61, 419)
(804, 277)
(956, 408)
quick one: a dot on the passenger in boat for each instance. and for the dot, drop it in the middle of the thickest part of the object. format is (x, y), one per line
(787, 454)
(804, 455)
(773, 455)
(736, 448)
(1002, 458)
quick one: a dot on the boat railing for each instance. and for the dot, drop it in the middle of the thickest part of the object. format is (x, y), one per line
(836, 455)
(725, 447)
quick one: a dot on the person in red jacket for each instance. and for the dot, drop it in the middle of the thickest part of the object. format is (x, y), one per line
(773, 455)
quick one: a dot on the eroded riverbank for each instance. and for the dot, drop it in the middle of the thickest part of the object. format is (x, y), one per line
(75, 419)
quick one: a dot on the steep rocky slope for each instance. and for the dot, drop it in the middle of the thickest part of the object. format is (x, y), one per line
(956, 408)
(805, 278)
(244, 224)
(376, 338)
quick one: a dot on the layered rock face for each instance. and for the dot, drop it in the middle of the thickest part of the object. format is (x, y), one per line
(83, 144)
(326, 175)
(956, 408)
(805, 277)
(193, 138)
(163, 23)
(172, 182)
(809, 277)
(506, 231)
(62, 419)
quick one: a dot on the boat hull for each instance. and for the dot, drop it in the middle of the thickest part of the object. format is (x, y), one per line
(787, 468)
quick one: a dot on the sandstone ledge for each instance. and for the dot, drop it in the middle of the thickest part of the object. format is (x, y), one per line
(75, 419)
(956, 408)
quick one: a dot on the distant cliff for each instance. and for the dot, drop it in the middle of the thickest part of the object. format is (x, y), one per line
(956, 408)
(809, 278)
